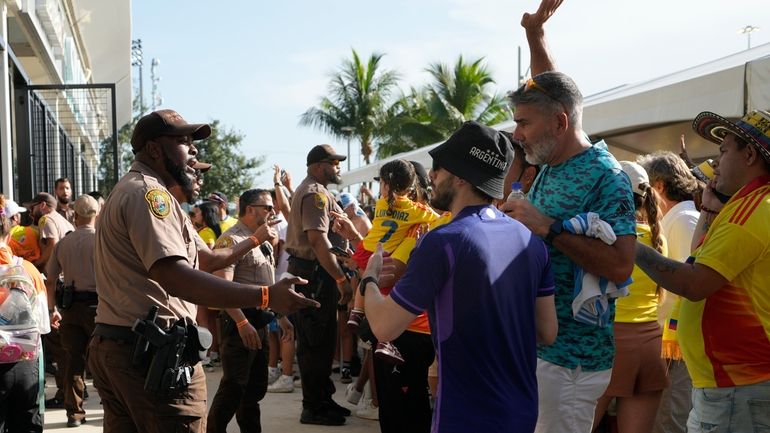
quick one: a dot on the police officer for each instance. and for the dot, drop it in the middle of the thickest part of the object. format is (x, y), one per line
(308, 241)
(73, 257)
(244, 348)
(146, 256)
(52, 228)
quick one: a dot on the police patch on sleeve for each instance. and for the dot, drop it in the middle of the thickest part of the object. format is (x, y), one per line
(320, 200)
(224, 242)
(159, 202)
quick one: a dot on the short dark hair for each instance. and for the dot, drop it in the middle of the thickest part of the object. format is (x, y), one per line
(61, 180)
(96, 194)
(248, 197)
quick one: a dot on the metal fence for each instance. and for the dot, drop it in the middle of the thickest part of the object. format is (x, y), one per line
(66, 131)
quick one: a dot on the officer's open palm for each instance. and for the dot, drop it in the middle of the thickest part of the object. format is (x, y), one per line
(250, 337)
(284, 300)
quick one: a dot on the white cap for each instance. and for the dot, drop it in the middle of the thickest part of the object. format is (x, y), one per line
(12, 208)
(637, 174)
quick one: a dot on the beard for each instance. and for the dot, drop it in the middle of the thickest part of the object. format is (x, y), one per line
(178, 173)
(442, 197)
(540, 150)
(64, 199)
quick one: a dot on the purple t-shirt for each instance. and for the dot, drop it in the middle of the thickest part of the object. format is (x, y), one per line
(478, 278)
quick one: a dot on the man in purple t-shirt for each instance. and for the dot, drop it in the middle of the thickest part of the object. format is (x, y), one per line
(486, 283)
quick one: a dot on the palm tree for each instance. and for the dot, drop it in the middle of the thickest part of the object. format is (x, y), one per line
(356, 106)
(431, 114)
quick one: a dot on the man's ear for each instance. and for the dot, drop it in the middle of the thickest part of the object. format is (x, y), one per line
(562, 122)
(528, 176)
(153, 149)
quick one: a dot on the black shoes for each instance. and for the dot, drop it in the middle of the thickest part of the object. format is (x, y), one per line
(54, 403)
(334, 407)
(321, 417)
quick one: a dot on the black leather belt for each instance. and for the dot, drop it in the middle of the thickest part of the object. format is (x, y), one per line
(85, 297)
(113, 332)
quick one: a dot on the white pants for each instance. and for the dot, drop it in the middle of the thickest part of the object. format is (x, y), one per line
(567, 398)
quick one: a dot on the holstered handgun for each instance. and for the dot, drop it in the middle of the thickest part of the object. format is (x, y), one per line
(166, 372)
(140, 356)
(65, 295)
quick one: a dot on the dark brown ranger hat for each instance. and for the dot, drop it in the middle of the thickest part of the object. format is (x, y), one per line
(323, 152)
(165, 122)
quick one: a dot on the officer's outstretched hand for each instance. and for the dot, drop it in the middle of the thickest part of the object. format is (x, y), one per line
(284, 300)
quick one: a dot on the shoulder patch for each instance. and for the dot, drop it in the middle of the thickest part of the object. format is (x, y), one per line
(320, 200)
(224, 242)
(159, 202)
(41, 221)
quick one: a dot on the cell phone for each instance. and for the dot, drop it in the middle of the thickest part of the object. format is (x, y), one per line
(283, 175)
(339, 252)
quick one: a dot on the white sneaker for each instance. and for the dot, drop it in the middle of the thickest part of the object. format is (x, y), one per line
(282, 384)
(273, 373)
(367, 410)
(352, 395)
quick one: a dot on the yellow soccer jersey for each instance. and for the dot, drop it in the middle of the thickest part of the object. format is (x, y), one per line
(725, 339)
(390, 227)
(641, 304)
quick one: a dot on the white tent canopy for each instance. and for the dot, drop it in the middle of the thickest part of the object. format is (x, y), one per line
(641, 118)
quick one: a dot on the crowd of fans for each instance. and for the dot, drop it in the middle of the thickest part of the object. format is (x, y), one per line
(527, 281)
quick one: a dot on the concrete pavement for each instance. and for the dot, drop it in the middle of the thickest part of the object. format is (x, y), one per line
(280, 412)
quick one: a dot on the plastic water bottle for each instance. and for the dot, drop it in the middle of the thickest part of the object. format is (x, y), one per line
(516, 192)
(12, 310)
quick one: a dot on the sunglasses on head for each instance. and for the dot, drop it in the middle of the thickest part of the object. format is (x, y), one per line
(532, 84)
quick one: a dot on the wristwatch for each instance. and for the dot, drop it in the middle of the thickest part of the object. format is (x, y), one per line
(554, 230)
(364, 282)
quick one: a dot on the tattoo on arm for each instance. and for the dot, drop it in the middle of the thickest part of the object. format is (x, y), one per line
(653, 262)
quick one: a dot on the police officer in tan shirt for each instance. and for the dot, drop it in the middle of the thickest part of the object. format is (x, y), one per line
(146, 256)
(244, 350)
(73, 257)
(308, 240)
(52, 228)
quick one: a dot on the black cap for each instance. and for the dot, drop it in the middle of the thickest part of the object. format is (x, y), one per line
(477, 153)
(165, 122)
(323, 152)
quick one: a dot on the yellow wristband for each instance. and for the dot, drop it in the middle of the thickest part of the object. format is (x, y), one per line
(265, 298)
(242, 323)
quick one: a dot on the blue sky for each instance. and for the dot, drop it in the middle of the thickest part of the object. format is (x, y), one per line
(257, 66)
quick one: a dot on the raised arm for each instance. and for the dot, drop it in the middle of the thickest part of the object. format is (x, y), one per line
(540, 56)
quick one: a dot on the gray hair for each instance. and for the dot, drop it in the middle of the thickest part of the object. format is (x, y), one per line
(552, 92)
(665, 166)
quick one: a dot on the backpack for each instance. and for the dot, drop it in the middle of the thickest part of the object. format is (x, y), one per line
(21, 314)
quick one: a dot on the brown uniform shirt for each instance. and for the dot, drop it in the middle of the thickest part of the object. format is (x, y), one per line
(54, 226)
(68, 214)
(74, 257)
(254, 267)
(310, 209)
(140, 224)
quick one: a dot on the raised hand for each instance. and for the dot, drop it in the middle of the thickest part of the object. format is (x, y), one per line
(534, 22)
(266, 232)
(284, 300)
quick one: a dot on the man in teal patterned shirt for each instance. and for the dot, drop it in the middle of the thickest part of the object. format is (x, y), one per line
(576, 177)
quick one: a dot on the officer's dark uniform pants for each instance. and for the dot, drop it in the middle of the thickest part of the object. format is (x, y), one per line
(19, 401)
(77, 326)
(54, 352)
(316, 330)
(243, 383)
(128, 407)
(402, 392)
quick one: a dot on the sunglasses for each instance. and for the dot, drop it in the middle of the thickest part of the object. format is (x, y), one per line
(267, 207)
(532, 84)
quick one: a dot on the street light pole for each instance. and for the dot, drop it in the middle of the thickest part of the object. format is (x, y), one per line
(748, 30)
(349, 131)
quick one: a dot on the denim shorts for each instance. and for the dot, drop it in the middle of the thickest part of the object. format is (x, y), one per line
(731, 410)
